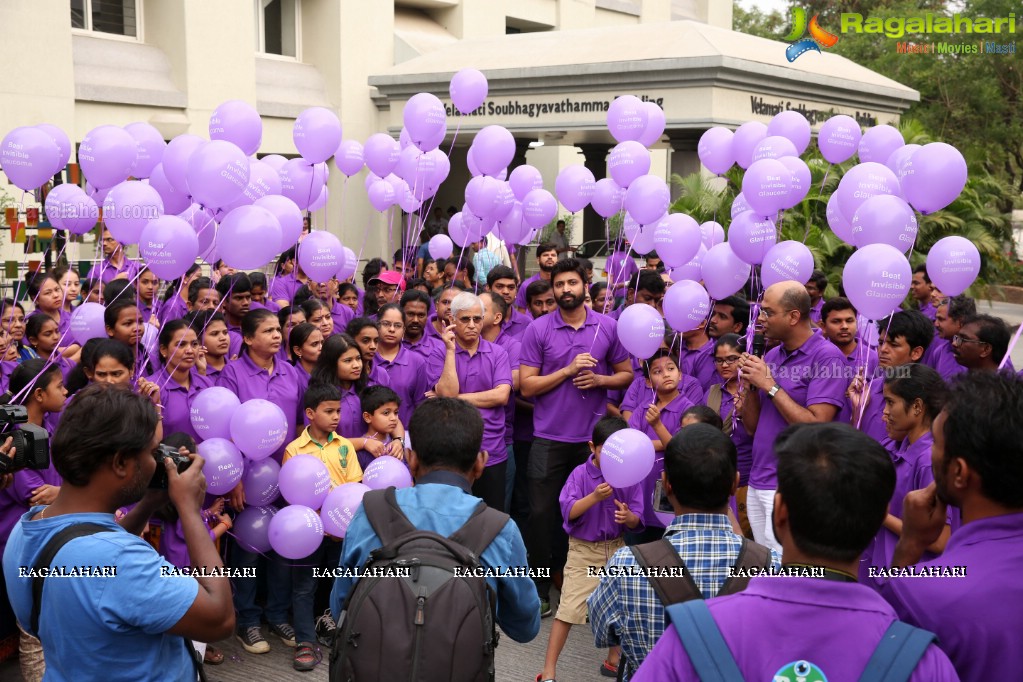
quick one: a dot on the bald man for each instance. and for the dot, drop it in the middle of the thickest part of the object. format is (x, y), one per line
(802, 380)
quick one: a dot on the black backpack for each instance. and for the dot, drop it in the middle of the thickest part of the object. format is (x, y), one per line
(430, 625)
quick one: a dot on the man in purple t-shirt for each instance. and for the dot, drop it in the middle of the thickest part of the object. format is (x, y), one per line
(948, 320)
(115, 264)
(546, 257)
(815, 290)
(921, 289)
(816, 623)
(802, 380)
(972, 594)
(982, 343)
(570, 358)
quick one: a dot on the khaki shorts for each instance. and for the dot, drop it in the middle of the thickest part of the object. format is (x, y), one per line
(578, 586)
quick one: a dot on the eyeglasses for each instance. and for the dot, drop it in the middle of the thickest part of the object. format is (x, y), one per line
(392, 325)
(767, 312)
(730, 360)
(476, 319)
(959, 340)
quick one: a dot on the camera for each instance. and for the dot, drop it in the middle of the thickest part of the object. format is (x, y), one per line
(31, 443)
(162, 453)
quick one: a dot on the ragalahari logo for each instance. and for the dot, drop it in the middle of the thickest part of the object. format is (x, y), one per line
(818, 36)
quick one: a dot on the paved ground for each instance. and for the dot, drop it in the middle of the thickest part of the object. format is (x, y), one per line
(1013, 314)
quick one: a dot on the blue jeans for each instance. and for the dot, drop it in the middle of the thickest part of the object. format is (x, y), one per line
(278, 592)
(303, 587)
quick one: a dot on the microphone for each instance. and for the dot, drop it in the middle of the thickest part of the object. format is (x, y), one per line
(759, 346)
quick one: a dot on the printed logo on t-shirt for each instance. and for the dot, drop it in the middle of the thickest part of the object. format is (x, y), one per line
(800, 671)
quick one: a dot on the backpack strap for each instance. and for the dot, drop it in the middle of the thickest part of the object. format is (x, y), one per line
(661, 554)
(388, 520)
(481, 528)
(46, 557)
(752, 555)
(714, 398)
(711, 658)
(896, 656)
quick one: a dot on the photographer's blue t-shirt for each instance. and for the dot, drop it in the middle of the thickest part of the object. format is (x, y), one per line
(101, 627)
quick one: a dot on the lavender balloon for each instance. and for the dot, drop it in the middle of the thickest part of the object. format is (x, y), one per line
(641, 330)
(876, 280)
(223, 467)
(899, 158)
(523, 180)
(608, 198)
(766, 186)
(627, 118)
(211, 412)
(78, 211)
(628, 161)
(384, 472)
(319, 256)
(745, 140)
(787, 261)
(715, 150)
(574, 187)
(217, 174)
(955, 264)
(63, 143)
(655, 123)
(739, 205)
(295, 532)
(711, 233)
(288, 215)
(751, 237)
(800, 180)
(260, 481)
(677, 239)
(468, 90)
(837, 221)
(304, 479)
(425, 120)
(128, 208)
(248, 237)
(862, 182)
(839, 138)
(647, 199)
(340, 507)
(693, 270)
(686, 306)
(239, 123)
(934, 177)
(349, 157)
(55, 201)
(884, 219)
(302, 182)
(793, 126)
(168, 245)
(174, 201)
(258, 428)
(252, 528)
(538, 208)
(150, 148)
(381, 153)
(175, 160)
(349, 266)
(493, 149)
(106, 155)
(440, 246)
(879, 142)
(381, 195)
(626, 458)
(774, 147)
(87, 323)
(317, 134)
(724, 273)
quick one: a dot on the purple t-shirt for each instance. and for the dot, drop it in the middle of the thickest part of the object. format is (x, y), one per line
(929, 310)
(812, 374)
(14, 500)
(699, 363)
(743, 440)
(173, 547)
(775, 622)
(431, 350)
(284, 386)
(513, 348)
(815, 311)
(177, 401)
(598, 522)
(566, 413)
(516, 326)
(342, 315)
(863, 358)
(872, 422)
(640, 393)
(284, 288)
(268, 304)
(977, 616)
(520, 297)
(941, 359)
(174, 309)
(106, 271)
(408, 378)
(351, 425)
(234, 335)
(671, 417)
(486, 369)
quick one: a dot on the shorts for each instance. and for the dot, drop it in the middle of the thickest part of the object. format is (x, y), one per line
(578, 584)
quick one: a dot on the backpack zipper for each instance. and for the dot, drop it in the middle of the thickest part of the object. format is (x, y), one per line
(419, 621)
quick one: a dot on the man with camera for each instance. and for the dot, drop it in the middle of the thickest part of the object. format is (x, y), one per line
(110, 607)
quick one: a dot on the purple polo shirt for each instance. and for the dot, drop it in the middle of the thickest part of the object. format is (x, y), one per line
(863, 357)
(815, 311)
(597, 524)
(929, 310)
(14, 499)
(284, 287)
(351, 424)
(6, 367)
(234, 334)
(486, 369)
(976, 617)
(640, 393)
(408, 378)
(671, 417)
(808, 375)
(941, 359)
(431, 350)
(342, 315)
(430, 329)
(872, 422)
(699, 363)
(106, 271)
(173, 547)
(775, 622)
(174, 309)
(520, 297)
(177, 400)
(378, 377)
(268, 305)
(63, 324)
(516, 326)
(743, 440)
(513, 348)
(284, 387)
(566, 413)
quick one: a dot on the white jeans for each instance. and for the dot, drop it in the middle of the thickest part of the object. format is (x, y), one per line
(759, 510)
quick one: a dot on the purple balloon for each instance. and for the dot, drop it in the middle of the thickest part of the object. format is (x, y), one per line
(862, 182)
(340, 506)
(99, 195)
(349, 157)
(641, 330)
(237, 122)
(715, 150)
(174, 201)
(686, 306)
(55, 201)
(787, 261)
(839, 138)
(288, 215)
(260, 481)
(381, 195)
(425, 120)
(620, 267)
(677, 239)
(62, 141)
(899, 158)
(440, 247)
(745, 140)
(223, 467)
(793, 126)
(493, 149)
(711, 233)
(168, 245)
(128, 208)
(415, 167)
(77, 211)
(739, 205)
(248, 237)
(800, 180)
(468, 90)
(275, 161)
(751, 237)
(934, 177)
(252, 528)
(693, 269)
(175, 160)
(320, 256)
(150, 148)
(643, 241)
(627, 118)
(523, 180)
(876, 280)
(295, 531)
(264, 181)
(301, 182)
(837, 221)
(384, 472)
(628, 161)
(513, 227)
(317, 134)
(655, 122)
(724, 273)
(647, 199)
(211, 412)
(878, 143)
(884, 219)
(608, 198)
(538, 208)
(766, 186)
(627, 457)
(305, 480)
(106, 155)
(381, 153)
(258, 428)
(774, 147)
(574, 187)
(481, 194)
(217, 174)
(953, 264)
(87, 323)
(349, 266)
(204, 225)
(321, 200)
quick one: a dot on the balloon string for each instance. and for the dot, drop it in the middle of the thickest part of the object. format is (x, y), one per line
(819, 193)
(1008, 351)
(868, 386)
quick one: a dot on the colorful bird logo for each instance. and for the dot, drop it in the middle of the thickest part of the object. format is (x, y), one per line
(818, 36)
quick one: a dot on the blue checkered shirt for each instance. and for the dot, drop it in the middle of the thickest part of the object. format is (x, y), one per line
(625, 610)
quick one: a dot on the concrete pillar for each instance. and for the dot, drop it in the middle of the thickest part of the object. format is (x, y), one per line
(682, 161)
(596, 162)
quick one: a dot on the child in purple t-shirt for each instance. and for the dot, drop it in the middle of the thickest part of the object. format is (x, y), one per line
(380, 412)
(595, 514)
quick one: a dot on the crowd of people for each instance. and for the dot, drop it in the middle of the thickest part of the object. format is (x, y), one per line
(809, 464)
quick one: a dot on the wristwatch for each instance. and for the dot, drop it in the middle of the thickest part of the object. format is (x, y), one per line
(774, 391)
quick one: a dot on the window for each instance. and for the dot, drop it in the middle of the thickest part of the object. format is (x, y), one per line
(277, 27)
(116, 17)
